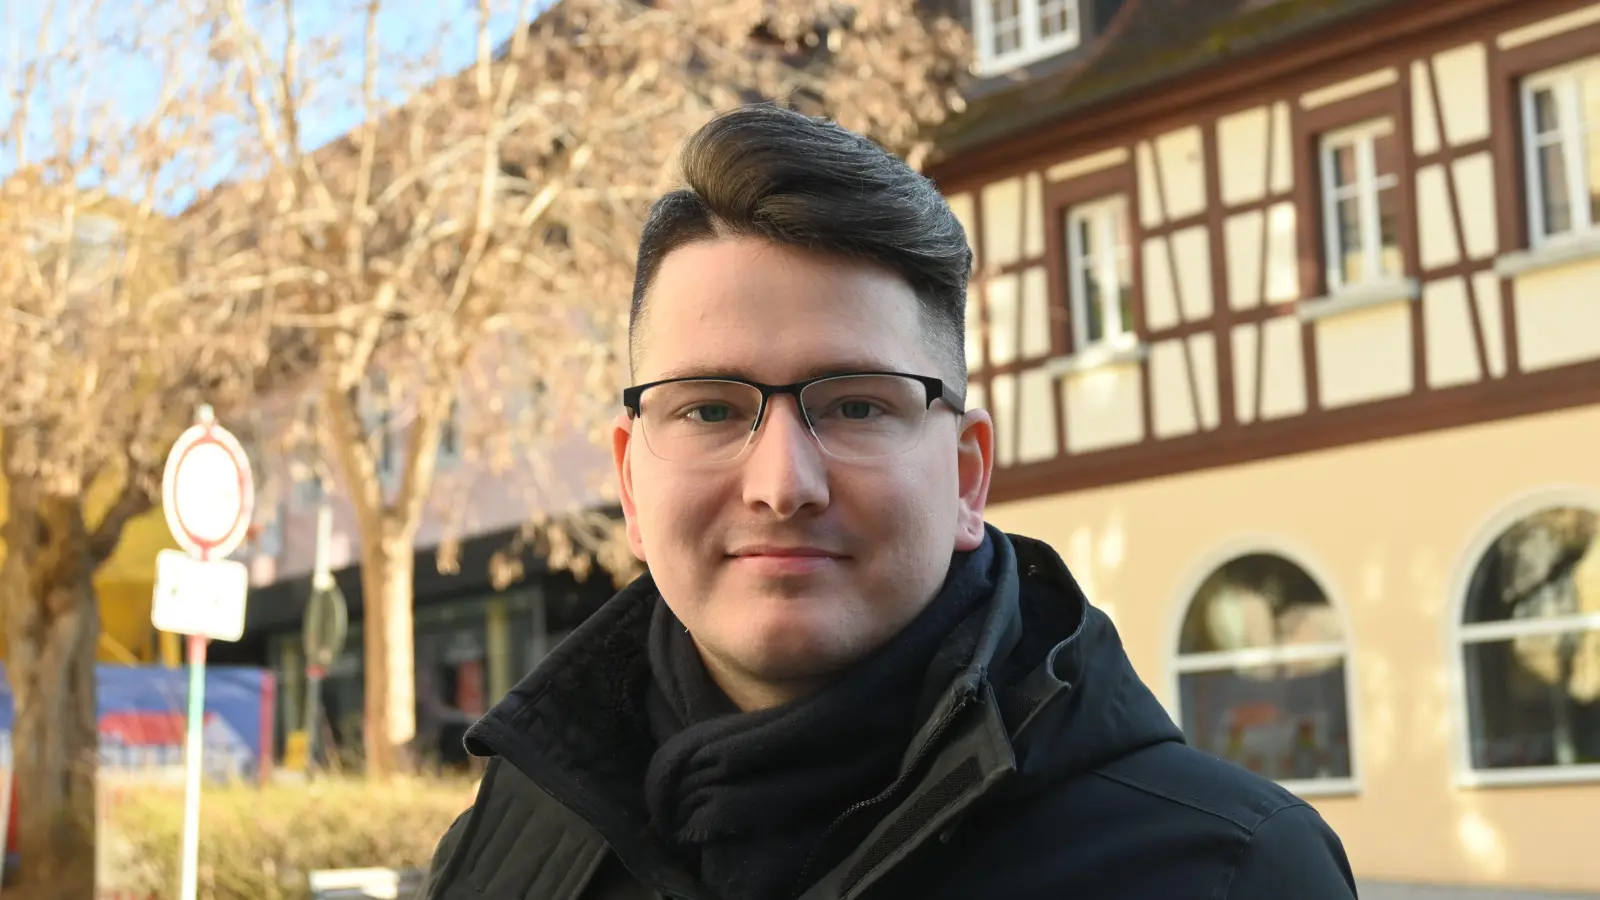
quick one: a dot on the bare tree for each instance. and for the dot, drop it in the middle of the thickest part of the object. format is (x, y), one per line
(105, 361)
(490, 220)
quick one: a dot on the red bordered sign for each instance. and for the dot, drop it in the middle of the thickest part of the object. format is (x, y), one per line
(208, 492)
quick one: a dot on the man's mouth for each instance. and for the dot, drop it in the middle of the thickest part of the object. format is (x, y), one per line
(784, 559)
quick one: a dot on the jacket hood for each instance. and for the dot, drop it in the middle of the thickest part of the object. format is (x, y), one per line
(1069, 695)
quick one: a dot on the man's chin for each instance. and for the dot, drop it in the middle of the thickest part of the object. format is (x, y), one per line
(784, 643)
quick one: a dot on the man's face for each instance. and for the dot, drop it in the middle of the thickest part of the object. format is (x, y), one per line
(717, 536)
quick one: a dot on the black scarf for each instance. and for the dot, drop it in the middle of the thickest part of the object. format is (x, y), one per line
(744, 799)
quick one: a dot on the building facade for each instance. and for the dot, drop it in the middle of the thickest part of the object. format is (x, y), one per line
(475, 635)
(1288, 314)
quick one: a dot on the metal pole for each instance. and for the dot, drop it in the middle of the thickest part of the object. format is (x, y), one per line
(193, 757)
(190, 866)
(191, 793)
(321, 580)
(313, 714)
(5, 805)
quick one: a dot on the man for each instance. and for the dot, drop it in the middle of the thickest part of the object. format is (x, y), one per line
(838, 682)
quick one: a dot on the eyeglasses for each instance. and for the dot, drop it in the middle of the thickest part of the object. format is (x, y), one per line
(860, 415)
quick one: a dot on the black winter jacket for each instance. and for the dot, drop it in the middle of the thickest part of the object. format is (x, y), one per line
(1066, 779)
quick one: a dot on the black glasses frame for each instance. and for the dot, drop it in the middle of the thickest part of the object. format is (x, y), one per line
(934, 386)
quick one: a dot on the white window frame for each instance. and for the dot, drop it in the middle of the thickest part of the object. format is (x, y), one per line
(1180, 664)
(1458, 635)
(1032, 46)
(1363, 138)
(1563, 82)
(1102, 215)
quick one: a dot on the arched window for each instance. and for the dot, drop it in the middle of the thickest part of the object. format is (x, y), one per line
(1530, 633)
(1261, 673)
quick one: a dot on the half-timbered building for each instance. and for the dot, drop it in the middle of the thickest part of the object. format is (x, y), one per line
(1288, 315)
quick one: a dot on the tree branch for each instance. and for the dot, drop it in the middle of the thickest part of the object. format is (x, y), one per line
(132, 501)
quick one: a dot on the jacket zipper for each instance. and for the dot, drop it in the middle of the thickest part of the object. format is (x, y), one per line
(804, 880)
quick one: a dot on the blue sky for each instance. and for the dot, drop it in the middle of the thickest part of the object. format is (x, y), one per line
(128, 83)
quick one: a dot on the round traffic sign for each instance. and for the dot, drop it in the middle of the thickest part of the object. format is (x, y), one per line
(207, 491)
(327, 620)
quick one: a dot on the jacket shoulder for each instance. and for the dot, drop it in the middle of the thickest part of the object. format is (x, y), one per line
(515, 841)
(1292, 850)
(1281, 846)
(1094, 834)
(1177, 773)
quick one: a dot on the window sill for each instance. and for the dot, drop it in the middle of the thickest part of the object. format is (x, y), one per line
(1117, 353)
(1535, 776)
(1362, 296)
(1560, 252)
(1323, 787)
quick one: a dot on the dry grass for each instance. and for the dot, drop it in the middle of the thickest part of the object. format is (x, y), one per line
(258, 843)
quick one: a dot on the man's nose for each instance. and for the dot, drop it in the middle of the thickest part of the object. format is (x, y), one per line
(785, 471)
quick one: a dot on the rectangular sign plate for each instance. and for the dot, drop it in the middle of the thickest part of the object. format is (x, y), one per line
(204, 597)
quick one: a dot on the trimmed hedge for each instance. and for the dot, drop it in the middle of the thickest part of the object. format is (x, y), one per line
(258, 843)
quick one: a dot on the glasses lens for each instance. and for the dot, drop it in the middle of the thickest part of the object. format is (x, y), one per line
(701, 420)
(866, 416)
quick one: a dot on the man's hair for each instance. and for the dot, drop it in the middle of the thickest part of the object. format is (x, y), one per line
(767, 172)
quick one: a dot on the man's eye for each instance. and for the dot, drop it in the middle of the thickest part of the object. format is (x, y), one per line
(710, 413)
(858, 409)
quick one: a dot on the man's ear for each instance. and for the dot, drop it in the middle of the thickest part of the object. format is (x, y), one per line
(974, 466)
(621, 447)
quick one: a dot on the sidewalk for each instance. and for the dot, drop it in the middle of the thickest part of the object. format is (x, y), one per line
(1377, 890)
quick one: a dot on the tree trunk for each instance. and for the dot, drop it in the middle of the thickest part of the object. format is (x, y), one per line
(390, 691)
(52, 627)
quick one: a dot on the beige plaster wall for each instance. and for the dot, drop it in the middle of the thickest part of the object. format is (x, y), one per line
(1390, 529)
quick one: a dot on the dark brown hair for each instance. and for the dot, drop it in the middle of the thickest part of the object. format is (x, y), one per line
(768, 172)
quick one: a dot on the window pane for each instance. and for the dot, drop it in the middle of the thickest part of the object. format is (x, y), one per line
(1053, 17)
(1101, 269)
(1125, 308)
(1535, 569)
(1593, 182)
(1347, 240)
(1093, 307)
(1087, 245)
(1258, 601)
(452, 670)
(1343, 164)
(1546, 114)
(1007, 26)
(1386, 169)
(1086, 265)
(1123, 267)
(1389, 231)
(1386, 158)
(1535, 701)
(1280, 722)
(1553, 192)
(340, 724)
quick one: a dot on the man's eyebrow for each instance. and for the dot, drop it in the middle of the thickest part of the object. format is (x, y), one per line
(817, 371)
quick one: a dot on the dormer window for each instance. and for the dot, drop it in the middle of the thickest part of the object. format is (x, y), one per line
(1013, 33)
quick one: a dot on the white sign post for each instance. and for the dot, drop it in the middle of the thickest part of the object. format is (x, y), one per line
(207, 493)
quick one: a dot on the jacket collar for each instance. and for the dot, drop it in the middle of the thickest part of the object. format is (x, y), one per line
(574, 725)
